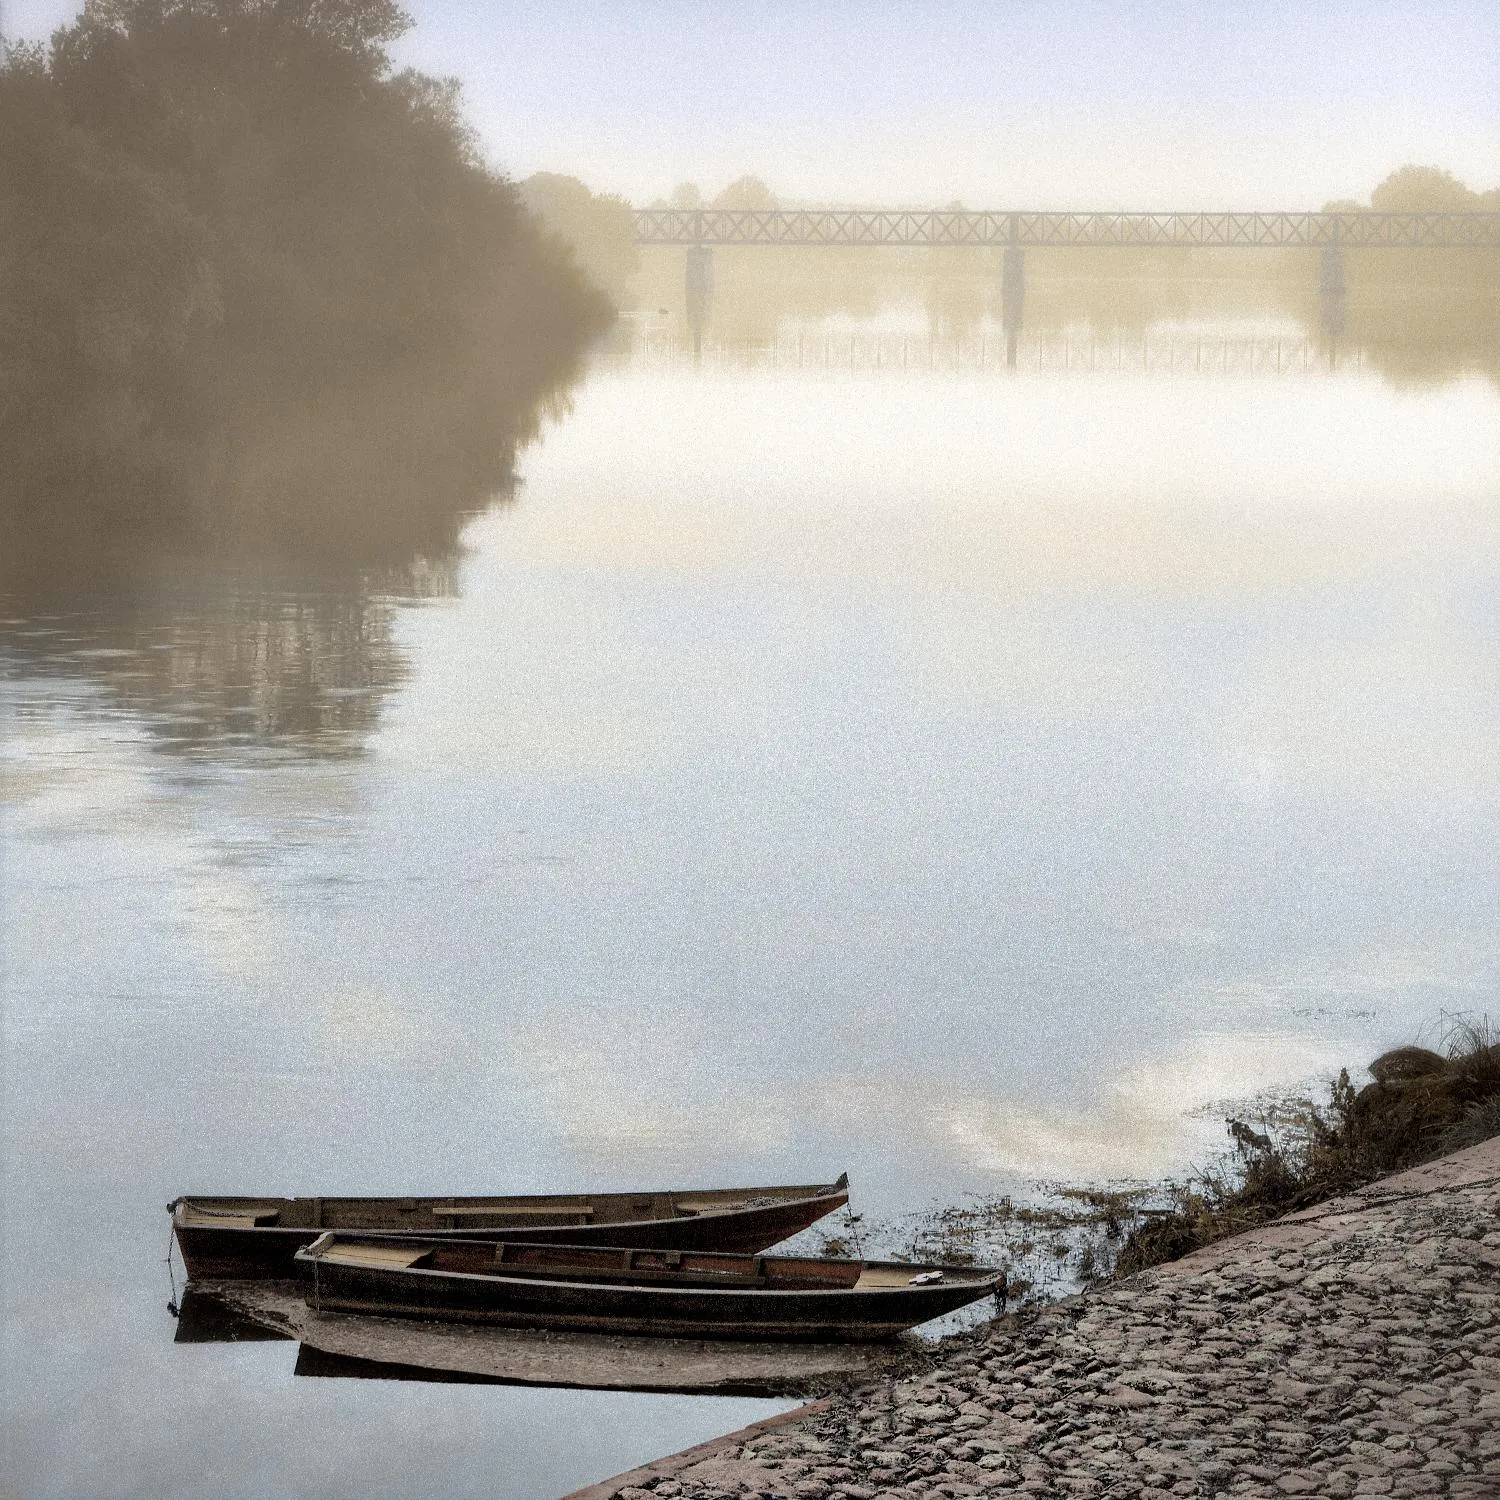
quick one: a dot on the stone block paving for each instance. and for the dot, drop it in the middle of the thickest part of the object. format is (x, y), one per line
(1350, 1350)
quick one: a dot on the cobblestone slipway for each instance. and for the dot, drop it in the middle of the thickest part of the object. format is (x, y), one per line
(1353, 1349)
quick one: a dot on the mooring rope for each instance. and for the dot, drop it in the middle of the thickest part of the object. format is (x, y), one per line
(174, 1306)
(853, 1219)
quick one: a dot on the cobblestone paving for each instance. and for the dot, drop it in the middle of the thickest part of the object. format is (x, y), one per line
(1351, 1350)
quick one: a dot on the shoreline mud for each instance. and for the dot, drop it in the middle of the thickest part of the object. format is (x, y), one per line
(1350, 1349)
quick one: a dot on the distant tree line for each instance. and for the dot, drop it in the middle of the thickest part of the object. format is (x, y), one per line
(746, 192)
(1409, 189)
(219, 214)
(1421, 190)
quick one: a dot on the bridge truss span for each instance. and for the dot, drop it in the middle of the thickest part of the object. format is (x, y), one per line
(961, 227)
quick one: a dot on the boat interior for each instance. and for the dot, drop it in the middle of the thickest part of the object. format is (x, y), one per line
(416, 1215)
(601, 1264)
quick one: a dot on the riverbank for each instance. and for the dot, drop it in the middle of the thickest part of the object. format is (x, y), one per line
(1350, 1349)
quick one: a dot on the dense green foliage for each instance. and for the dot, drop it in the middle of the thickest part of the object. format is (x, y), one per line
(220, 216)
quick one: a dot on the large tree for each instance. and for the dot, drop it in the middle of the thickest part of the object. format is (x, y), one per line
(211, 209)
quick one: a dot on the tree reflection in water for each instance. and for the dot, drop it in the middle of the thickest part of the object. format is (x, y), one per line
(236, 663)
(251, 645)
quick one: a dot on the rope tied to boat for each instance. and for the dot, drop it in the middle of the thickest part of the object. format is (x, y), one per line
(174, 1303)
(853, 1218)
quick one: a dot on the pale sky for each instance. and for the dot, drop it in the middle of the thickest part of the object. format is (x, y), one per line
(1044, 103)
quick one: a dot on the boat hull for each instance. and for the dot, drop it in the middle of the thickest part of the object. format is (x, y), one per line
(225, 1252)
(839, 1316)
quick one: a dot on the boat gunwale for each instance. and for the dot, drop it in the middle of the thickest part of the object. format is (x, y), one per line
(780, 1196)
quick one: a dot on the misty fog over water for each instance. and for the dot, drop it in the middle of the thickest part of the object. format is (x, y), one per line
(954, 777)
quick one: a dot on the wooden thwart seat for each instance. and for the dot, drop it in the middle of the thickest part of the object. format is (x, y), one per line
(884, 1276)
(386, 1257)
(227, 1218)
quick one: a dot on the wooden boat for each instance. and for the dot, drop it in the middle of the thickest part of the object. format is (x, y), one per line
(605, 1289)
(232, 1239)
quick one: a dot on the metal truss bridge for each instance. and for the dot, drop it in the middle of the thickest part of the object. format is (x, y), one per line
(948, 227)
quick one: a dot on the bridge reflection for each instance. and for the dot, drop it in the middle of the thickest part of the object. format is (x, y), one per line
(1074, 352)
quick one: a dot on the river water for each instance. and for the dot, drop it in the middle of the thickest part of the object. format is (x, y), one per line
(956, 778)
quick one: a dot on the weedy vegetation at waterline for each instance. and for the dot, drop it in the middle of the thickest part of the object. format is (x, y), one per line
(1420, 1105)
(1288, 1155)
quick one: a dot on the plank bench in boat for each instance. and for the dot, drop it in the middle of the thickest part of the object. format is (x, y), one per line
(669, 1293)
(229, 1239)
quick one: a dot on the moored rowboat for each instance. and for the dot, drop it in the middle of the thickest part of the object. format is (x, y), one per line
(603, 1289)
(234, 1239)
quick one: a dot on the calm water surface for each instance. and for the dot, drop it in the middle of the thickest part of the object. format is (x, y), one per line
(951, 778)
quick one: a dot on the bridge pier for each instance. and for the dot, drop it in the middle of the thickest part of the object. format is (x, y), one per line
(1331, 296)
(700, 292)
(1012, 299)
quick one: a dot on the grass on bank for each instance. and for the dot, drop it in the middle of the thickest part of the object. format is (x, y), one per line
(1421, 1105)
(1288, 1156)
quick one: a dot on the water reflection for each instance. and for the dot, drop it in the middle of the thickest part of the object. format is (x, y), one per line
(221, 664)
(1418, 316)
(262, 623)
(317, 1364)
(354, 1347)
(985, 348)
(202, 1318)
(954, 779)
(235, 592)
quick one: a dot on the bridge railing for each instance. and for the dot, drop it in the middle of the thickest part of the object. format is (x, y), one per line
(734, 226)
